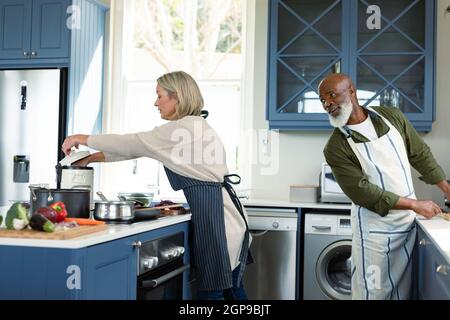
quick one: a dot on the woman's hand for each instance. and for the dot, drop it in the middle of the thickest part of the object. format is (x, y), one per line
(83, 162)
(95, 157)
(74, 141)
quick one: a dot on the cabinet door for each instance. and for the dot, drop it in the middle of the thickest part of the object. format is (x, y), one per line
(306, 43)
(15, 29)
(112, 270)
(50, 34)
(394, 60)
(434, 271)
(31, 273)
(391, 62)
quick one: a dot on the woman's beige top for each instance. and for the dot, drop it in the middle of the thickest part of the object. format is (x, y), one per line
(189, 147)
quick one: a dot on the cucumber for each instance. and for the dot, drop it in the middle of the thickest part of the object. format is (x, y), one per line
(41, 223)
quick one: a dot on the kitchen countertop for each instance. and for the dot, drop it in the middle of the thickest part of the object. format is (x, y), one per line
(289, 204)
(438, 229)
(113, 232)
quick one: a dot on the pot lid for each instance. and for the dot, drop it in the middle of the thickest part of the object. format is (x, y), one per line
(74, 157)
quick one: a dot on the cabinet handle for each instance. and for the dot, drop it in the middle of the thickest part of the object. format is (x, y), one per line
(137, 244)
(26, 54)
(424, 242)
(33, 53)
(442, 269)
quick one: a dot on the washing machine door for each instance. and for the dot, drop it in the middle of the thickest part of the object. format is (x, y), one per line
(333, 270)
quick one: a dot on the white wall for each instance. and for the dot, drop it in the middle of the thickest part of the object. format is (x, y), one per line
(301, 153)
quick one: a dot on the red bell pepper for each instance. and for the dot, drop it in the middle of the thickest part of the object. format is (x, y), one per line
(61, 211)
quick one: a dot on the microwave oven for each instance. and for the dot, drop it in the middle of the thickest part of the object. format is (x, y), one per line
(330, 191)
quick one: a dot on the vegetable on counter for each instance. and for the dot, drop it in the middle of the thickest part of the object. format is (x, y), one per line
(41, 223)
(84, 221)
(48, 212)
(60, 209)
(17, 217)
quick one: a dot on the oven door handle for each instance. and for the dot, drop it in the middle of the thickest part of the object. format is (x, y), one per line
(156, 282)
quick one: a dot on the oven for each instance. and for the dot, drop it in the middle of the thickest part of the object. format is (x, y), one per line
(161, 268)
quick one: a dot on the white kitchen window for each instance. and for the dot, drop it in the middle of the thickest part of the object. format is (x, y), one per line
(204, 38)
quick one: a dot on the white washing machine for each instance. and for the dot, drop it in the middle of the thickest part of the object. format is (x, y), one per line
(327, 252)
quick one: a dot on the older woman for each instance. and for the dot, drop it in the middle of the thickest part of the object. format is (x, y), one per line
(194, 160)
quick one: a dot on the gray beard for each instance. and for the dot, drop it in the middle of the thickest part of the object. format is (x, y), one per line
(342, 118)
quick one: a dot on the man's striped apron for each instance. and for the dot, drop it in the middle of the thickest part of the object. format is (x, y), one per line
(382, 246)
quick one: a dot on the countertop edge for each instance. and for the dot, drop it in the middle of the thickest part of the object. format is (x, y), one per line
(426, 229)
(113, 232)
(289, 204)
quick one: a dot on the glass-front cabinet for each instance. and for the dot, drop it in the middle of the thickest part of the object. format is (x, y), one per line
(386, 46)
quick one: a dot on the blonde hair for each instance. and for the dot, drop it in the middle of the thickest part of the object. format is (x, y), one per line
(186, 91)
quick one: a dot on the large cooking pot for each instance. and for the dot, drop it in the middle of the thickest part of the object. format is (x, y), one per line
(116, 211)
(77, 201)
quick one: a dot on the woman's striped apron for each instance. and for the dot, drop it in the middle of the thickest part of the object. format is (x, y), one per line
(210, 253)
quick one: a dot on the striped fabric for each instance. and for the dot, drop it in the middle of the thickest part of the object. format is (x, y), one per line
(209, 253)
(382, 246)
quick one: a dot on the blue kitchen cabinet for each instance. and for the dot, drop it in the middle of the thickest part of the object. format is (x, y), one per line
(15, 27)
(65, 34)
(391, 63)
(34, 30)
(433, 270)
(104, 271)
(111, 270)
(29, 273)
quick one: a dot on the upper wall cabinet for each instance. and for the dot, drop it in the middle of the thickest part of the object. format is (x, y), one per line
(385, 46)
(31, 30)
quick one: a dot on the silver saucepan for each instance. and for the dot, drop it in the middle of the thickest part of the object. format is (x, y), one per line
(116, 211)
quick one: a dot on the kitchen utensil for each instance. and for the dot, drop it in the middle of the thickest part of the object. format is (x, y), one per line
(76, 200)
(142, 198)
(117, 211)
(137, 203)
(102, 196)
(74, 157)
(76, 177)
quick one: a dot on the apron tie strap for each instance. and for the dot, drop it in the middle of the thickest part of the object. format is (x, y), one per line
(227, 184)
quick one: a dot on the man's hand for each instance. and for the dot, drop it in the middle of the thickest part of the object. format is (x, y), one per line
(73, 141)
(427, 208)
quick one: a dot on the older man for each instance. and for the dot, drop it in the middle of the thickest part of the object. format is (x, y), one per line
(370, 153)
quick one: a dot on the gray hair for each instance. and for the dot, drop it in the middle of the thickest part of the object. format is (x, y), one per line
(186, 91)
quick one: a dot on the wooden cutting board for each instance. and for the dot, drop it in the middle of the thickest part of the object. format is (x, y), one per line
(57, 235)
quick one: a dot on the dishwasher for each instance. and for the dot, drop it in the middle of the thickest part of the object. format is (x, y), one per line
(273, 275)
